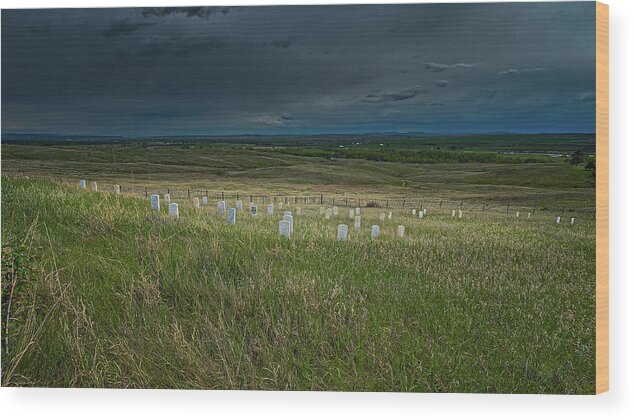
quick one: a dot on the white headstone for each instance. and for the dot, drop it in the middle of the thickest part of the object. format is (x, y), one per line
(529, 215)
(166, 197)
(196, 202)
(421, 214)
(357, 211)
(117, 189)
(400, 231)
(155, 202)
(453, 213)
(279, 205)
(382, 216)
(351, 214)
(289, 219)
(572, 220)
(328, 213)
(270, 210)
(335, 211)
(173, 210)
(357, 222)
(413, 212)
(287, 213)
(254, 210)
(82, 183)
(239, 205)
(558, 219)
(231, 216)
(375, 231)
(222, 205)
(342, 232)
(517, 214)
(205, 200)
(389, 215)
(284, 228)
(298, 211)
(93, 186)
(459, 214)
(425, 212)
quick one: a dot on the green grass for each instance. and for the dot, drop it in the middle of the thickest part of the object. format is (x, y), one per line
(110, 294)
(259, 170)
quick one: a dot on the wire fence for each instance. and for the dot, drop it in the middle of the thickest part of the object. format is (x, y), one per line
(403, 203)
(341, 200)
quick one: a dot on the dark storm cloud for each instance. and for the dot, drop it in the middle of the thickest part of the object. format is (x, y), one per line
(281, 43)
(442, 83)
(272, 120)
(298, 69)
(516, 71)
(588, 98)
(438, 67)
(379, 96)
(200, 12)
(166, 45)
(124, 27)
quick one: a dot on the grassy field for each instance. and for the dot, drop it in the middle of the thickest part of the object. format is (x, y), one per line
(550, 182)
(106, 293)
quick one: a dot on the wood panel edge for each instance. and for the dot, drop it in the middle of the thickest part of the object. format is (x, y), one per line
(602, 198)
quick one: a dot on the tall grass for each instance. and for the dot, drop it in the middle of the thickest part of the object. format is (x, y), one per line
(112, 294)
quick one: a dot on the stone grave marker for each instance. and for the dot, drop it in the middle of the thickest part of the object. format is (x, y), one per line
(284, 228)
(389, 215)
(335, 211)
(375, 231)
(342, 232)
(459, 214)
(357, 211)
(270, 210)
(222, 205)
(155, 202)
(166, 198)
(117, 189)
(400, 231)
(298, 211)
(173, 210)
(453, 213)
(558, 219)
(289, 219)
(382, 217)
(231, 216)
(93, 186)
(351, 214)
(357, 222)
(413, 212)
(239, 205)
(421, 214)
(254, 211)
(196, 202)
(572, 220)
(205, 200)
(328, 213)
(82, 183)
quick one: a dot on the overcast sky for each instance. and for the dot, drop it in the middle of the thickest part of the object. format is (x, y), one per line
(437, 68)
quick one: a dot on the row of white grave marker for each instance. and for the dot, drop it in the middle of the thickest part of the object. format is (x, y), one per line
(93, 186)
(342, 232)
(173, 210)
